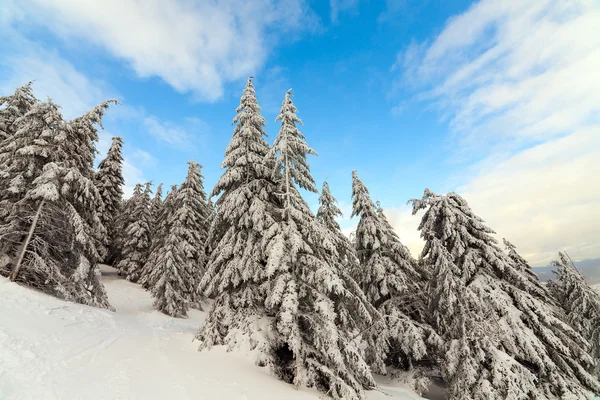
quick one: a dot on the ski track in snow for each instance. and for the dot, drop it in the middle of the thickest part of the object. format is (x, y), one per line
(51, 350)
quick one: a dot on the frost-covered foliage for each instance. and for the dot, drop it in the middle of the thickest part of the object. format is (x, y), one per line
(244, 212)
(390, 278)
(109, 181)
(156, 205)
(193, 213)
(510, 343)
(580, 302)
(138, 234)
(13, 107)
(162, 226)
(46, 170)
(315, 304)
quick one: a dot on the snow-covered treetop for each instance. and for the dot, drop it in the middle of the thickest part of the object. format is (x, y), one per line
(290, 149)
(14, 106)
(328, 209)
(245, 154)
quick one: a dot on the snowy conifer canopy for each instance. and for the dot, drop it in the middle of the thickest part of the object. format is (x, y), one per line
(532, 352)
(392, 283)
(580, 302)
(13, 107)
(138, 234)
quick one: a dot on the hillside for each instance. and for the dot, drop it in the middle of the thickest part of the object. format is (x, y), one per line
(52, 349)
(590, 268)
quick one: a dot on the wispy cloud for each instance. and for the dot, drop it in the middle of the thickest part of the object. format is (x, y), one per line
(192, 46)
(342, 6)
(518, 83)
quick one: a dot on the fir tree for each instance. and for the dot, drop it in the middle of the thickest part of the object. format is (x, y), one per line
(531, 353)
(315, 304)
(580, 302)
(168, 269)
(53, 223)
(157, 201)
(109, 181)
(192, 212)
(390, 278)
(138, 233)
(244, 213)
(13, 107)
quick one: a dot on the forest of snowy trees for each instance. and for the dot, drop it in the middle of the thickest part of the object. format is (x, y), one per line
(317, 308)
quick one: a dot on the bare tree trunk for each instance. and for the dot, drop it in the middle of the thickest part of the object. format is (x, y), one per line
(15, 271)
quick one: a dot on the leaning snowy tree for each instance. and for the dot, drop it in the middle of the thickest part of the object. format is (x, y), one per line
(194, 214)
(13, 107)
(528, 351)
(138, 234)
(244, 213)
(315, 306)
(53, 224)
(109, 181)
(580, 302)
(391, 280)
(162, 225)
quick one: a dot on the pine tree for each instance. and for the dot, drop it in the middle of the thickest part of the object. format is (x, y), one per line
(193, 213)
(53, 226)
(162, 225)
(390, 278)
(244, 214)
(525, 350)
(138, 233)
(315, 304)
(109, 181)
(157, 201)
(580, 302)
(14, 107)
(168, 269)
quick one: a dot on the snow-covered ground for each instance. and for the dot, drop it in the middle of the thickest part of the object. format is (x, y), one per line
(51, 349)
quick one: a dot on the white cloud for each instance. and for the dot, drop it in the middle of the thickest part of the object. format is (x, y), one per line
(144, 158)
(192, 45)
(341, 6)
(518, 82)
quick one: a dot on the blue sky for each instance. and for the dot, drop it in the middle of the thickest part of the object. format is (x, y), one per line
(495, 100)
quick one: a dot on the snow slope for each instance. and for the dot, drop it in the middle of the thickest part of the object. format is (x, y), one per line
(51, 349)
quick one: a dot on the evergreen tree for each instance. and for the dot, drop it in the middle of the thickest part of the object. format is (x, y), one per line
(193, 213)
(52, 228)
(109, 181)
(244, 214)
(580, 302)
(315, 305)
(390, 278)
(157, 201)
(168, 269)
(525, 350)
(13, 107)
(138, 233)
(163, 223)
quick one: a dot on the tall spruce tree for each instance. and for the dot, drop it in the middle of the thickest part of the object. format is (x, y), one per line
(162, 224)
(109, 181)
(531, 352)
(53, 224)
(157, 201)
(245, 212)
(580, 302)
(13, 107)
(390, 278)
(138, 233)
(193, 213)
(169, 268)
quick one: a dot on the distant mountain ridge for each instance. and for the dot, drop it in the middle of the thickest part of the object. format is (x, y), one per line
(590, 268)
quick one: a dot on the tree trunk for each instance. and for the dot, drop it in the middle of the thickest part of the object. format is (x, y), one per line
(15, 271)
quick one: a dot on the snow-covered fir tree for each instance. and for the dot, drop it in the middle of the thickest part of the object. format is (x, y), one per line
(510, 344)
(138, 234)
(244, 213)
(315, 305)
(168, 267)
(391, 280)
(109, 181)
(193, 213)
(157, 201)
(162, 225)
(580, 302)
(13, 107)
(53, 228)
